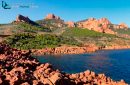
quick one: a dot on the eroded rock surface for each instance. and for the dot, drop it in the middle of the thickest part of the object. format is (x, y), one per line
(66, 50)
(120, 26)
(70, 24)
(21, 18)
(20, 68)
(101, 25)
(52, 16)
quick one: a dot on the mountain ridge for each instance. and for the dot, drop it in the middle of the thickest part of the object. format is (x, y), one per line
(51, 20)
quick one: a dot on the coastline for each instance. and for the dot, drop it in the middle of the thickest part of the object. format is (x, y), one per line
(20, 68)
(73, 50)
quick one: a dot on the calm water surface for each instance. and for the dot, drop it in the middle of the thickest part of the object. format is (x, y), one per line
(114, 63)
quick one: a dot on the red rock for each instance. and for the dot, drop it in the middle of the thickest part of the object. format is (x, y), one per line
(35, 82)
(101, 25)
(47, 65)
(93, 74)
(75, 76)
(120, 26)
(70, 24)
(47, 82)
(52, 16)
(47, 71)
(1, 81)
(26, 83)
(88, 72)
(35, 73)
(54, 78)
(68, 50)
(81, 75)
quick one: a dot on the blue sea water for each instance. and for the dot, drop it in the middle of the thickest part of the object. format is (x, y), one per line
(114, 63)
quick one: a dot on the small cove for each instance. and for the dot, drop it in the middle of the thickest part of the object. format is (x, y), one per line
(113, 63)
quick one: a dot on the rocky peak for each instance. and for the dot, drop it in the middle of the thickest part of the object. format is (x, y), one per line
(123, 25)
(70, 24)
(21, 18)
(120, 26)
(101, 25)
(104, 21)
(52, 16)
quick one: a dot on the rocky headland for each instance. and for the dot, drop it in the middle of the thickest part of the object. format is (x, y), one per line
(20, 68)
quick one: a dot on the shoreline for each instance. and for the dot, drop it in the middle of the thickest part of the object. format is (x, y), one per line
(20, 68)
(73, 50)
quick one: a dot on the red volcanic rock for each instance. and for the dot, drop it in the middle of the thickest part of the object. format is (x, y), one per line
(13, 75)
(52, 16)
(120, 26)
(21, 18)
(1, 81)
(123, 26)
(101, 25)
(88, 72)
(26, 83)
(56, 77)
(66, 50)
(19, 68)
(70, 24)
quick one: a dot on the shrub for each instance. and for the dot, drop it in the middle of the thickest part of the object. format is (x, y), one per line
(30, 41)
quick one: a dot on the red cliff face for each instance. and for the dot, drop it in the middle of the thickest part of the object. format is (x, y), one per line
(101, 25)
(52, 16)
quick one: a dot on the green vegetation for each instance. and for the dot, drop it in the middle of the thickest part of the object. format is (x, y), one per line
(53, 24)
(86, 36)
(78, 32)
(31, 28)
(122, 31)
(29, 41)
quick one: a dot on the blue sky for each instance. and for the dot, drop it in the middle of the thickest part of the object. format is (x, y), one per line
(116, 11)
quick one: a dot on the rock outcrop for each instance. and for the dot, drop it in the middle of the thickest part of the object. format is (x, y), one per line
(101, 25)
(65, 50)
(70, 24)
(19, 68)
(120, 26)
(52, 16)
(21, 18)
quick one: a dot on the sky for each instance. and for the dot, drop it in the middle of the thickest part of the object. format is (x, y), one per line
(117, 11)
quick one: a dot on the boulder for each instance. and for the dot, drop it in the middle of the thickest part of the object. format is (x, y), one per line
(56, 77)
(88, 72)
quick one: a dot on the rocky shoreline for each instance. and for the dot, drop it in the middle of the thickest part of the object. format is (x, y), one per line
(20, 68)
(64, 50)
(116, 47)
(73, 50)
